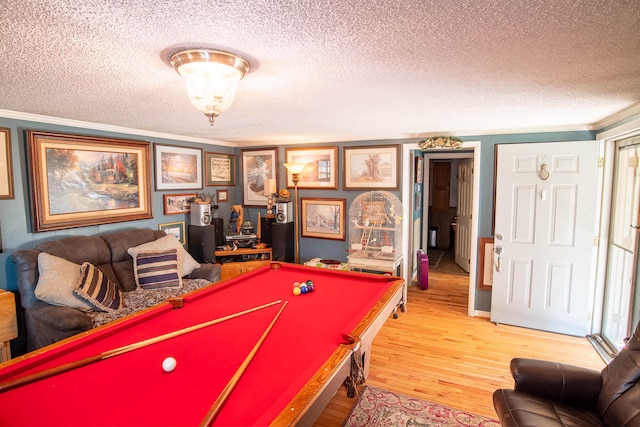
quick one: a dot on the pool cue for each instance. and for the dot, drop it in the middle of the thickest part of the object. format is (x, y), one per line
(27, 379)
(226, 392)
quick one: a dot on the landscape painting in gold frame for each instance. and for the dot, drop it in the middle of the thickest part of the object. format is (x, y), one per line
(373, 167)
(321, 171)
(78, 181)
(323, 218)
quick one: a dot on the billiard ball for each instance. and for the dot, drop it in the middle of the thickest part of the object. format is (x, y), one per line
(169, 364)
(303, 288)
(297, 291)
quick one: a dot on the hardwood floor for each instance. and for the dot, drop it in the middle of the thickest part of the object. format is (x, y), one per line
(436, 352)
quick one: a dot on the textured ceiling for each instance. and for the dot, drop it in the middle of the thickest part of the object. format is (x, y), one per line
(326, 70)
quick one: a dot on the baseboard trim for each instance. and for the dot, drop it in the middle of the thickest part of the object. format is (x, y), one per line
(481, 313)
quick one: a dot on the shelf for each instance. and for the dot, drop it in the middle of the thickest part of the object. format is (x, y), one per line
(374, 227)
(243, 251)
(391, 266)
(247, 260)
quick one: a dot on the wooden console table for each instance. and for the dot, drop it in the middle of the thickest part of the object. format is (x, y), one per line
(243, 260)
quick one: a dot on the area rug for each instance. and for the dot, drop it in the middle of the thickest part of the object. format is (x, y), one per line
(377, 407)
(435, 257)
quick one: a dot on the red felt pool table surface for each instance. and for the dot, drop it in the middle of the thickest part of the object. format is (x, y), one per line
(300, 352)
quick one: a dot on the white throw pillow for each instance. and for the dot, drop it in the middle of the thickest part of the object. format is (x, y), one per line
(58, 278)
(186, 263)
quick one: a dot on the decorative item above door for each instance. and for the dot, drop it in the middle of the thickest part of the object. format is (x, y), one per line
(440, 142)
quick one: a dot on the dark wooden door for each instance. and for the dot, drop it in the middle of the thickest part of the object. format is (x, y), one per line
(441, 186)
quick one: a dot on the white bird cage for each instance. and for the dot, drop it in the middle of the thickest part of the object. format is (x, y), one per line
(375, 233)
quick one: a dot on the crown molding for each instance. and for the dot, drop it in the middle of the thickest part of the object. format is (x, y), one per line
(617, 117)
(17, 115)
(315, 140)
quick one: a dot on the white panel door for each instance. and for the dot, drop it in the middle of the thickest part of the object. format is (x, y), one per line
(464, 214)
(544, 235)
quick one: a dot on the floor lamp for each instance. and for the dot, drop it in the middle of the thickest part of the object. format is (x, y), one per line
(295, 169)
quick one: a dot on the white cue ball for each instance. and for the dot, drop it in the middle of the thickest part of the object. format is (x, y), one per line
(169, 364)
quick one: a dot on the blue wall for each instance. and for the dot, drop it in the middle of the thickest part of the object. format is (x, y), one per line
(15, 220)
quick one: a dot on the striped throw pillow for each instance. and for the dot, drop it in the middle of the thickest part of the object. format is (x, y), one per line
(96, 289)
(154, 270)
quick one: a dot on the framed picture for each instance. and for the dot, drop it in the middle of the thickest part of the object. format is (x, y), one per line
(485, 263)
(178, 203)
(321, 170)
(419, 170)
(77, 181)
(323, 218)
(176, 229)
(257, 166)
(371, 167)
(178, 168)
(222, 196)
(220, 169)
(6, 171)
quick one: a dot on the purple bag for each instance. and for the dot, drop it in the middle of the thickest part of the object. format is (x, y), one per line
(423, 269)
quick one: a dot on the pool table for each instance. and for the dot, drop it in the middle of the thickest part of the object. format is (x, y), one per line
(298, 368)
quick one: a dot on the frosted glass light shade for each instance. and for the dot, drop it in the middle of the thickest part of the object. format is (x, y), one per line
(295, 168)
(211, 77)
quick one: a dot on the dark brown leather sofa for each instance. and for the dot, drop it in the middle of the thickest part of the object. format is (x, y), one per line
(553, 394)
(46, 323)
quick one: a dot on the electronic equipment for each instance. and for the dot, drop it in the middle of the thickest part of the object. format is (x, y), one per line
(282, 243)
(202, 243)
(242, 240)
(265, 229)
(284, 212)
(218, 223)
(200, 214)
(240, 237)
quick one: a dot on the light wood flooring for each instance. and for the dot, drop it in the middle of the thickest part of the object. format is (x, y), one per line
(436, 352)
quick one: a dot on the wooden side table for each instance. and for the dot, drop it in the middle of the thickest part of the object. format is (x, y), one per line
(243, 260)
(8, 323)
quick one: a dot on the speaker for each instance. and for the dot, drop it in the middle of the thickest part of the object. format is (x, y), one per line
(200, 214)
(282, 241)
(202, 243)
(266, 228)
(284, 213)
(218, 223)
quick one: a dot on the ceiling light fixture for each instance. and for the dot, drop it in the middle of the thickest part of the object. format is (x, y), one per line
(211, 77)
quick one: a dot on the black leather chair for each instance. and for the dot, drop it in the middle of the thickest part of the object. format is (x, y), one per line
(553, 394)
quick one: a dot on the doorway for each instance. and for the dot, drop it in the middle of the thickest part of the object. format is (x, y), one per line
(620, 293)
(447, 219)
(470, 149)
(617, 141)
